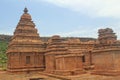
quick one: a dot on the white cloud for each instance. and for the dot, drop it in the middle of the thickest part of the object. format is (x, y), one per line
(94, 8)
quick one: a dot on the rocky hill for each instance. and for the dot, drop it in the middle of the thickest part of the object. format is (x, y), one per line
(5, 37)
(8, 37)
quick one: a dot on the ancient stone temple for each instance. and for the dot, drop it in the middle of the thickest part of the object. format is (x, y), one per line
(62, 56)
(25, 51)
(106, 54)
(67, 56)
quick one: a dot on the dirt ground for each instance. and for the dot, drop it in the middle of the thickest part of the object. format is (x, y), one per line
(18, 76)
(94, 77)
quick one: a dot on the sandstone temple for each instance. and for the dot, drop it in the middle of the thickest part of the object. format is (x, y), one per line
(63, 56)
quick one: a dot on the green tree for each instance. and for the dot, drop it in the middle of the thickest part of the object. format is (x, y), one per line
(3, 60)
(3, 57)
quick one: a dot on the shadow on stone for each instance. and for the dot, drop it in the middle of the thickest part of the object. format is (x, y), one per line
(36, 79)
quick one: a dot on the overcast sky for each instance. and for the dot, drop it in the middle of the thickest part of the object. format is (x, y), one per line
(76, 18)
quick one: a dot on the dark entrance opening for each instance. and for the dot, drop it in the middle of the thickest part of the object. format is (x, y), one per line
(90, 57)
(37, 79)
(83, 58)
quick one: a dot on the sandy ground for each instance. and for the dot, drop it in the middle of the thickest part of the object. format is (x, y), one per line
(12, 76)
(94, 77)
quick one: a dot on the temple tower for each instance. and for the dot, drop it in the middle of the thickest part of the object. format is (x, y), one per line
(25, 51)
(106, 36)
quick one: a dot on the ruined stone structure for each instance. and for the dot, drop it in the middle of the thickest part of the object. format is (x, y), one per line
(106, 36)
(56, 46)
(63, 56)
(106, 53)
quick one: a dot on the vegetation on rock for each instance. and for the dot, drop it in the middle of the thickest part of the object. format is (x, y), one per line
(3, 57)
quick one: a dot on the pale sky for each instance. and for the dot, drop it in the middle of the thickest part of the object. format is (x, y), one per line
(68, 18)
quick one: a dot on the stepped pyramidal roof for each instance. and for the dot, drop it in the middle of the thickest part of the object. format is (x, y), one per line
(25, 38)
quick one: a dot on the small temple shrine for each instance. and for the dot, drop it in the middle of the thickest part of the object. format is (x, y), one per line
(63, 56)
(106, 53)
(25, 51)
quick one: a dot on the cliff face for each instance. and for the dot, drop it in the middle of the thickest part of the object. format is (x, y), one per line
(5, 37)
